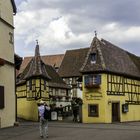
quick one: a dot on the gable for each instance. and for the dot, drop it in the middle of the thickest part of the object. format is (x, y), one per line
(112, 59)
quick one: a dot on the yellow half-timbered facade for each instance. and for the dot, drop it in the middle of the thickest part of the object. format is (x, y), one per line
(111, 84)
(39, 81)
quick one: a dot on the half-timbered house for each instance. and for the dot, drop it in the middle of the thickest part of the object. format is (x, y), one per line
(69, 70)
(111, 84)
(39, 81)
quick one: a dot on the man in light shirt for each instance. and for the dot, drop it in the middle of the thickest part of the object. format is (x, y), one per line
(43, 122)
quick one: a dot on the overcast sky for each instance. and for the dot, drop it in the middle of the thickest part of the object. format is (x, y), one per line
(61, 25)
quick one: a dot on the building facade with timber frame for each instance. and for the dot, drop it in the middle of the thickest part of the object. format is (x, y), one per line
(69, 70)
(111, 84)
(39, 81)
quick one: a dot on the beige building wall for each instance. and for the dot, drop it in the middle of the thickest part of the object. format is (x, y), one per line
(6, 11)
(7, 71)
(7, 115)
(6, 47)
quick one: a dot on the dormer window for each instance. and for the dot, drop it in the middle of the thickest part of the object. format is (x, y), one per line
(93, 58)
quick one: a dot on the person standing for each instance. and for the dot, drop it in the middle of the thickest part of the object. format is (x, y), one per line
(43, 125)
(75, 113)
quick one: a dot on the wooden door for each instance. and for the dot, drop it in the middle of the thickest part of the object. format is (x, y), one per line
(115, 112)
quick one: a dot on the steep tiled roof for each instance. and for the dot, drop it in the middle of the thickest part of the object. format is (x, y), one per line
(72, 62)
(53, 60)
(37, 68)
(24, 64)
(55, 81)
(111, 58)
(135, 59)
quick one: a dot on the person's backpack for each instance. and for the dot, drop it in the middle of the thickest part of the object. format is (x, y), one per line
(46, 113)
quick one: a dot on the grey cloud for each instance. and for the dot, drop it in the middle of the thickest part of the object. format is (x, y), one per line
(85, 16)
(113, 10)
(125, 12)
(108, 10)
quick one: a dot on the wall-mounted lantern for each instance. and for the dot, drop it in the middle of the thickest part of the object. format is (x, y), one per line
(109, 101)
(125, 108)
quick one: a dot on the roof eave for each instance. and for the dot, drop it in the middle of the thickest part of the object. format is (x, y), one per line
(38, 76)
(14, 7)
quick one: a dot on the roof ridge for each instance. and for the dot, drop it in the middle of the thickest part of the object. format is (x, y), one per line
(52, 55)
(77, 49)
(101, 56)
(105, 41)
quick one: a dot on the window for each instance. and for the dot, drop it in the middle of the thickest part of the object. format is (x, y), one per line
(56, 92)
(63, 92)
(56, 69)
(50, 91)
(1, 97)
(74, 92)
(11, 39)
(93, 110)
(45, 85)
(92, 80)
(93, 58)
(30, 84)
(73, 81)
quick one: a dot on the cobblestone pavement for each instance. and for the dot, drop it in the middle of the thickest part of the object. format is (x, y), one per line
(73, 131)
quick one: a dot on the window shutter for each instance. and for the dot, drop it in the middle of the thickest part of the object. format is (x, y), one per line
(30, 84)
(98, 79)
(86, 80)
(1, 97)
(45, 85)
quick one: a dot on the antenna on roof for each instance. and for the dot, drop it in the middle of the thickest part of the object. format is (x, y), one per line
(36, 42)
(95, 33)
